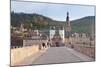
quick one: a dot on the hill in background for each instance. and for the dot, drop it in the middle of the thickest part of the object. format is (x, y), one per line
(82, 25)
(85, 24)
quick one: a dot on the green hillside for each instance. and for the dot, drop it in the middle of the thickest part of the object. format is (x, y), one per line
(36, 20)
(85, 24)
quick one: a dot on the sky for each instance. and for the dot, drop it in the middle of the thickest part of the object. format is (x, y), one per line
(54, 11)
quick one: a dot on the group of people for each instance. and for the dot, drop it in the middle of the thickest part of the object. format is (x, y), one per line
(44, 45)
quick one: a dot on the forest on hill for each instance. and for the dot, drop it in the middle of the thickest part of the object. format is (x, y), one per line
(81, 25)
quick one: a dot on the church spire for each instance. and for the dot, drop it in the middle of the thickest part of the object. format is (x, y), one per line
(67, 19)
(68, 23)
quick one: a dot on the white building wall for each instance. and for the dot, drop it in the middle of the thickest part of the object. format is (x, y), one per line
(52, 32)
(61, 32)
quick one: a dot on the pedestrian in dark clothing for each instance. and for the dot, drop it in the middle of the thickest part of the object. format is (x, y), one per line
(43, 45)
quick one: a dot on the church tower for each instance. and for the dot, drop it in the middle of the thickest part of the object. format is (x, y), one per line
(68, 25)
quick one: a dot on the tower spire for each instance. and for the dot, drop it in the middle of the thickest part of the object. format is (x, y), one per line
(67, 19)
(67, 13)
(68, 26)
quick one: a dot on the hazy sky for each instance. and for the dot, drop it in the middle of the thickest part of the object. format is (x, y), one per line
(54, 11)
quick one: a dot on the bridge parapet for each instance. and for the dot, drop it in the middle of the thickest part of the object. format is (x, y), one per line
(19, 54)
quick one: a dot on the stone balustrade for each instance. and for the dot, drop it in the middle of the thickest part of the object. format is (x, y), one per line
(19, 54)
(87, 50)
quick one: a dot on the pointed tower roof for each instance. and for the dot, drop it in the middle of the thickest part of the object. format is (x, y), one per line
(67, 13)
(67, 18)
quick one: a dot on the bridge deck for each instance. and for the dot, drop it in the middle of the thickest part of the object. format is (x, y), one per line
(57, 55)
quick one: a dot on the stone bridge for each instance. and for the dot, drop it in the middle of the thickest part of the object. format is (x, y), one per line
(31, 55)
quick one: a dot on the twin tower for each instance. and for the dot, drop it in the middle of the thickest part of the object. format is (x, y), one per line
(60, 32)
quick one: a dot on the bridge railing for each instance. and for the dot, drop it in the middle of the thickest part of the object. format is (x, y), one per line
(88, 50)
(15, 47)
(20, 53)
(83, 45)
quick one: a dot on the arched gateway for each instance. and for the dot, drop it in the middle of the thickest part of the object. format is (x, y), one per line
(57, 36)
(58, 33)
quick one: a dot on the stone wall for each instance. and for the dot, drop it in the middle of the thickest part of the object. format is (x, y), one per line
(82, 44)
(18, 54)
(85, 49)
